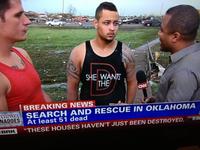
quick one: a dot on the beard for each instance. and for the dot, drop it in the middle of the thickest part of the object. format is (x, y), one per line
(164, 47)
(106, 39)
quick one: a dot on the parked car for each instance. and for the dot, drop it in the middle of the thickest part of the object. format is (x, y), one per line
(132, 21)
(55, 23)
(87, 25)
(152, 23)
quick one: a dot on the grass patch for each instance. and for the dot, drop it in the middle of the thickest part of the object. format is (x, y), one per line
(50, 48)
(57, 94)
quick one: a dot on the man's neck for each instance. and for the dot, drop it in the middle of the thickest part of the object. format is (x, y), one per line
(5, 49)
(104, 45)
(182, 45)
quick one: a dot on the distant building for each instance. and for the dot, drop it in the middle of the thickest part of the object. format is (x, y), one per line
(36, 17)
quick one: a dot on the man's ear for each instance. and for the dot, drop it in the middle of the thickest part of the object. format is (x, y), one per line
(176, 36)
(95, 23)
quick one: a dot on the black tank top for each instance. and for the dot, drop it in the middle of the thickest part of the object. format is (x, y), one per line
(103, 78)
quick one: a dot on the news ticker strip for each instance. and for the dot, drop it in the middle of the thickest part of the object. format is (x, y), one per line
(97, 125)
(70, 116)
(108, 113)
(102, 124)
(86, 111)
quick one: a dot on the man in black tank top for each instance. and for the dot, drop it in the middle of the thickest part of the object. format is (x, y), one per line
(104, 66)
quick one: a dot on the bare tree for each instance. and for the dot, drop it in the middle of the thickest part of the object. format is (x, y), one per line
(71, 10)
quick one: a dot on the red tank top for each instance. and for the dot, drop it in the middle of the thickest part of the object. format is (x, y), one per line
(25, 84)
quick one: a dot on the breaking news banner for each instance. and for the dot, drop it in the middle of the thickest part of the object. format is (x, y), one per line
(76, 115)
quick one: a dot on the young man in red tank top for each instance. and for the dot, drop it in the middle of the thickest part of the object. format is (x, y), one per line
(19, 81)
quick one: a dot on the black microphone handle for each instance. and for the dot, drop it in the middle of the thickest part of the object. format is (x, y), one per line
(145, 93)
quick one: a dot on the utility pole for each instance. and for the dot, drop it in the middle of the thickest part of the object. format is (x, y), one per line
(63, 6)
(161, 9)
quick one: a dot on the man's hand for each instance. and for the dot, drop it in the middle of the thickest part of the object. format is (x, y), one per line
(118, 103)
(149, 100)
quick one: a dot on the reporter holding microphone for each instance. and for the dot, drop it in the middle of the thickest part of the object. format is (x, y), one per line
(142, 84)
(178, 31)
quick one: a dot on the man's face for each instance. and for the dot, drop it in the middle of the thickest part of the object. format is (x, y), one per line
(107, 25)
(164, 35)
(15, 25)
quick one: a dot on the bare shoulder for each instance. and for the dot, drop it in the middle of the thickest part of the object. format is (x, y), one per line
(129, 62)
(78, 53)
(75, 62)
(125, 47)
(78, 50)
(127, 54)
(24, 53)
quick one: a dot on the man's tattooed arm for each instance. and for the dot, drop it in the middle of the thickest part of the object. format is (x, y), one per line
(129, 61)
(73, 70)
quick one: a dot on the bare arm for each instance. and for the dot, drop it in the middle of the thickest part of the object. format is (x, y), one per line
(72, 81)
(129, 62)
(3, 91)
(73, 72)
(3, 102)
(47, 97)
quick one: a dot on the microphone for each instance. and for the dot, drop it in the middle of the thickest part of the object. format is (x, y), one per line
(142, 82)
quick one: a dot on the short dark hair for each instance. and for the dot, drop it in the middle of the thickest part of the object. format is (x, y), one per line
(185, 20)
(105, 5)
(4, 5)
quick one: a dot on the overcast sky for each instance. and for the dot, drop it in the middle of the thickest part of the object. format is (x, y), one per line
(87, 7)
